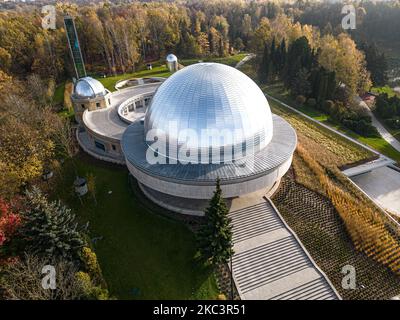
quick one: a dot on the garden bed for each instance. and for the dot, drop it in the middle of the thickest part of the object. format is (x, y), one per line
(316, 222)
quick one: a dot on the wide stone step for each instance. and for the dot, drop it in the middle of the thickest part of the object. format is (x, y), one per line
(269, 262)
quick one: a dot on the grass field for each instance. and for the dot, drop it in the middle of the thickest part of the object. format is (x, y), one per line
(143, 255)
(157, 71)
(230, 61)
(160, 69)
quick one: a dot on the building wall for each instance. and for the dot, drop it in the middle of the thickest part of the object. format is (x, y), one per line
(195, 190)
(112, 146)
(80, 105)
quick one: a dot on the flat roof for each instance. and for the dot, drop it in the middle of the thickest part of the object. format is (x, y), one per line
(106, 122)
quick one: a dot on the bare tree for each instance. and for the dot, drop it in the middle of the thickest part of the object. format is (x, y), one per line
(23, 280)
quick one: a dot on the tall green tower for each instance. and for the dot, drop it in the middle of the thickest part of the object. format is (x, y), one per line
(74, 47)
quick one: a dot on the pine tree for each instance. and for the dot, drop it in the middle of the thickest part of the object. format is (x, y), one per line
(215, 235)
(282, 56)
(49, 228)
(263, 69)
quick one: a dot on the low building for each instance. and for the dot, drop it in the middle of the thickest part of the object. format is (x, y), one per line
(89, 94)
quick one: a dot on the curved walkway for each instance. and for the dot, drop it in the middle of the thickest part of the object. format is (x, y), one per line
(379, 126)
(244, 60)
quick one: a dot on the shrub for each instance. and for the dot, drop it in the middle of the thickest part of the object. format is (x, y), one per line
(366, 226)
(328, 106)
(300, 100)
(393, 122)
(312, 102)
(22, 279)
(91, 291)
(91, 263)
(9, 222)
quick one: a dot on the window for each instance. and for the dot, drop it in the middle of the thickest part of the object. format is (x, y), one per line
(100, 145)
(97, 105)
(113, 147)
(83, 106)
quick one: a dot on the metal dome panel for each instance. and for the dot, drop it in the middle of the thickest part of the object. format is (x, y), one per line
(171, 58)
(207, 97)
(88, 87)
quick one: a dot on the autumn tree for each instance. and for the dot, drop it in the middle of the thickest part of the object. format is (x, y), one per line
(22, 279)
(9, 222)
(342, 56)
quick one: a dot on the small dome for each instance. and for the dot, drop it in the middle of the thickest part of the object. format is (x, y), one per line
(88, 87)
(171, 58)
(211, 96)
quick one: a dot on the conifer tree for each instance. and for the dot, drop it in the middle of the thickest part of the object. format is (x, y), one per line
(215, 236)
(263, 70)
(49, 228)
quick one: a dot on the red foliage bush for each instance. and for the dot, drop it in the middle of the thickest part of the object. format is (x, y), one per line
(9, 221)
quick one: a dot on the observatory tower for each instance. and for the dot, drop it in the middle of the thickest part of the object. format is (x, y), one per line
(172, 62)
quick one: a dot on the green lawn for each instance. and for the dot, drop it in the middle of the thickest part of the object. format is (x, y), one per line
(143, 254)
(230, 60)
(157, 71)
(160, 69)
(58, 97)
(386, 89)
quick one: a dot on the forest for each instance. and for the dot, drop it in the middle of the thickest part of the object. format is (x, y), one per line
(118, 37)
(299, 44)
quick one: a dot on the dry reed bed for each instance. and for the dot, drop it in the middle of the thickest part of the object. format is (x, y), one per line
(367, 227)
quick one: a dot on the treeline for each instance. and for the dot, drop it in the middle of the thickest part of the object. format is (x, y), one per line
(376, 22)
(117, 37)
(325, 71)
(35, 141)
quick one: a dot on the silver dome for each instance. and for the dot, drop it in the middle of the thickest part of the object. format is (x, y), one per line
(88, 87)
(171, 58)
(209, 97)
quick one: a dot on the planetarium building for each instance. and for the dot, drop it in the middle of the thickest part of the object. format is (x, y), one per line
(206, 122)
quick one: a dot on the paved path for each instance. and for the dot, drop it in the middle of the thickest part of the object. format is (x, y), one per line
(269, 262)
(382, 185)
(379, 126)
(368, 167)
(244, 60)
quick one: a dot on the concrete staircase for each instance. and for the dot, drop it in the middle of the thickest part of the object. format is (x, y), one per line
(270, 262)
